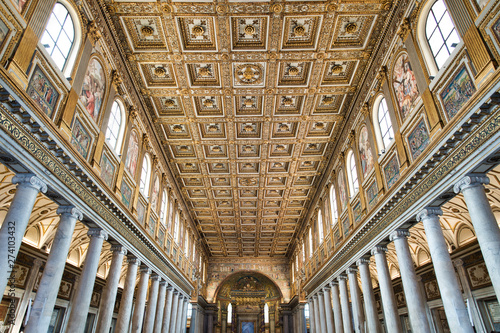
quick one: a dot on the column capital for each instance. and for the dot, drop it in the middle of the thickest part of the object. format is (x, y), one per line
(155, 277)
(326, 288)
(30, 180)
(169, 287)
(133, 261)
(315, 296)
(428, 212)
(37, 263)
(145, 269)
(399, 233)
(342, 277)
(119, 249)
(351, 270)
(71, 211)
(362, 261)
(471, 180)
(97, 232)
(379, 249)
(320, 292)
(175, 292)
(458, 262)
(163, 282)
(334, 283)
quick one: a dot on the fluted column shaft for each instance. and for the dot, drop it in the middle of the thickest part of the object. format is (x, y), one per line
(160, 307)
(149, 320)
(484, 222)
(357, 307)
(173, 315)
(165, 327)
(337, 309)
(453, 303)
(140, 300)
(391, 315)
(322, 314)
(16, 220)
(311, 315)
(330, 325)
(372, 321)
(184, 315)
(414, 299)
(78, 315)
(123, 320)
(344, 301)
(178, 321)
(109, 293)
(317, 322)
(43, 306)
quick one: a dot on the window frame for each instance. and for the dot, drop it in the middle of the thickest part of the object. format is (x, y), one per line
(352, 166)
(144, 185)
(321, 233)
(163, 208)
(381, 145)
(121, 127)
(310, 243)
(334, 212)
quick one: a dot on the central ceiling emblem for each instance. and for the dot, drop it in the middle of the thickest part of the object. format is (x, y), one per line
(249, 74)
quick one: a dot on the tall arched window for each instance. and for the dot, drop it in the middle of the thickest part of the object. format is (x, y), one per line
(440, 33)
(145, 176)
(176, 227)
(114, 132)
(60, 37)
(266, 314)
(306, 310)
(385, 124)
(303, 252)
(163, 209)
(353, 174)
(310, 243)
(229, 313)
(333, 205)
(186, 242)
(320, 227)
(190, 310)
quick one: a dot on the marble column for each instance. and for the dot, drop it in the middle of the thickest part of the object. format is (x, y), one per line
(391, 315)
(472, 302)
(322, 314)
(453, 303)
(168, 310)
(357, 307)
(46, 295)
(484, 222)
(337, 309)
(330, 325)
(414, 300)
(173, 314)
(317, 322)
(78, 316)
(140, 300)
(26, 298)
(149, 320)
(123, 320)
(210, 322)
(108, 297)
(344, 301)
(372, 321)
(16, 220)
(223, 320)
(178, 321)
(160, 307)
(184, 315)
(311, 315)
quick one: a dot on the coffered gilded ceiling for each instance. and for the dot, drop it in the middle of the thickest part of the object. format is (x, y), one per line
(248, 99)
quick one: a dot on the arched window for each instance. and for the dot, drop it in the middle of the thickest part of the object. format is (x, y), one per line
(176, 227)
(145, 176)
(163, 209)
(266, 314)
(310, 243)
(306, 310)
(385, 125)
(114, 132)
(190, 310)
(186, 243)
(320, 227)
(303, 252)
(60, 37)
(353, 174)
(440, 33)
(293, 271)
(229, 313)
(333, 205)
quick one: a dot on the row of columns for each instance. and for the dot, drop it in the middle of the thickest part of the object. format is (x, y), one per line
(333, 312)
(166, 310)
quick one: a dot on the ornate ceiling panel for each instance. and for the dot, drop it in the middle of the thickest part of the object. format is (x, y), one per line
(248, 99)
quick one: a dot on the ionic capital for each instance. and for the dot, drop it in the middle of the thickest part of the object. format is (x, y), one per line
(72, 211)
(97, 232)
(458, 262)
(30, 180)
(399, 233)
(326, 289)
(379, 249)
(471, 180)
(362, 261)
(133, 261)
(342, 277)
(155, 277)
(119, 249)
(145, 270)
(428, 213)
(162, 283)
(315, 296)
(351, 270)
(334, 283)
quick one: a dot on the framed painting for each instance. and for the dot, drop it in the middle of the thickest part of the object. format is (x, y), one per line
(152, 226)
(4, 32)
(154, 193)
(41, 90)
(365, 152)
(161, 237)
(457, 92)
(132, 153)
(107, 170)
(80, 138)
(356, 211)
(418, 139)
(126, 194)
(141, 211)
(391, 171)
(346, 226)
(405, 85)
(495, 28)
(19, 4)
(372, 195)
(93, 89)
(342, 189)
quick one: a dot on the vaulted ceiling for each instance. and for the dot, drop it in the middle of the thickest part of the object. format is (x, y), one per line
(248, 99)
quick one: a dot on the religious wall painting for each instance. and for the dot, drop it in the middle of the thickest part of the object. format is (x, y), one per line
(161, 237)
(372, 195)
(42, 91)
(342, 190)
(107, 170)
(141, 211)
(19, 4)
(336, 236)
(391, 171)
(365, 152)
(457, 92)
(152, 226)
(132, 153)
(93, 89)
(126, 192)
(418, 139)
(356, 211)
(80, 138)
(496, 29)
(154, 193)
(168, 246)
(4, 31)
(405, 85)
(345, 227)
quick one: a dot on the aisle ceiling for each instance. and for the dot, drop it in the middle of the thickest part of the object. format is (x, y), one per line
(248, 99)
